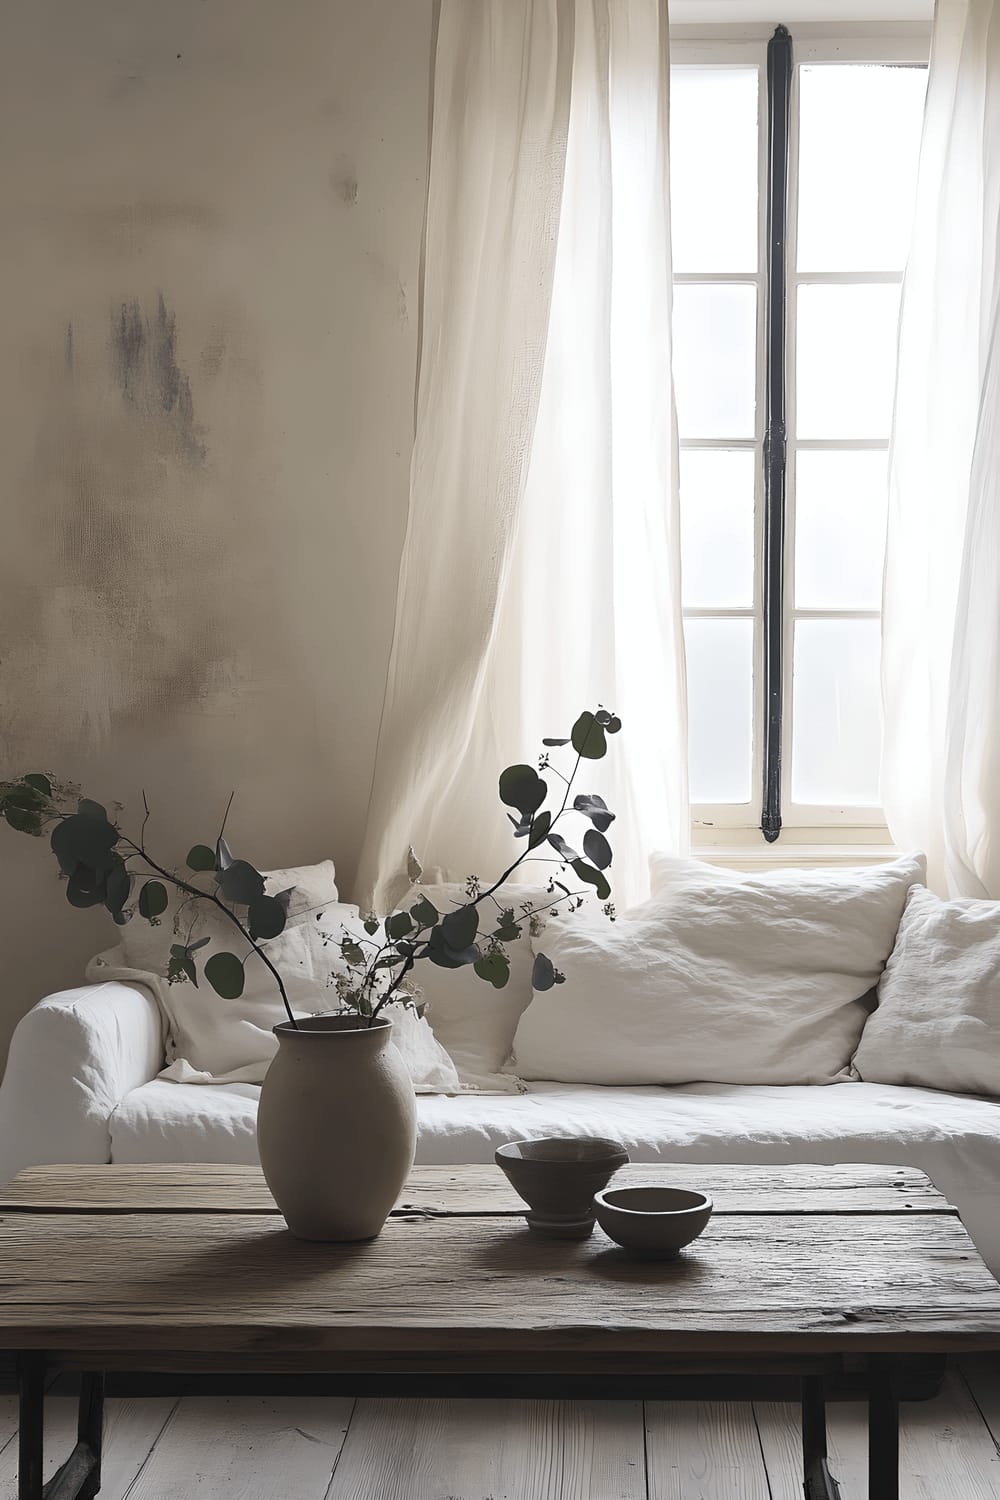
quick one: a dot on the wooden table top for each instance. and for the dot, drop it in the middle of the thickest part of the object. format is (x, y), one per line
(190, 1266)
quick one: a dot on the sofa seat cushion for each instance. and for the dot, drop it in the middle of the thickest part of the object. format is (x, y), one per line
(954, 1138)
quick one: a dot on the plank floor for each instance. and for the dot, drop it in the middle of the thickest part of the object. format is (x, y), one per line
(301, 1448)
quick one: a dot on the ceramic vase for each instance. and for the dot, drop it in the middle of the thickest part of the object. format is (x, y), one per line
(336, 1126)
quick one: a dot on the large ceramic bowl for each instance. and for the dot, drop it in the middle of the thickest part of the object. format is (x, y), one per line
(652, 1222)
(557, 1176)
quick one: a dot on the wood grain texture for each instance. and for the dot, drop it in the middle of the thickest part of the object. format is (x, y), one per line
(464, 1450)
(946, 1452)
(131, 1429)
(482, 1188)
(242, 1284)
(703, 1448)
(247, 1448)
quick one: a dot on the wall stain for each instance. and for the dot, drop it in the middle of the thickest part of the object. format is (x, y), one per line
(344, 181)
(130, 587)
(144, 360)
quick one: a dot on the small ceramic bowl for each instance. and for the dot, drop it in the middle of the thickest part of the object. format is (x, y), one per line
(653, 1222)
(557, 1176)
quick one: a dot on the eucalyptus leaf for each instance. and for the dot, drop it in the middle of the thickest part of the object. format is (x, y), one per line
(564, 850)
(22, 819)
(596, 809)
(540, 829)
(223, 854)
(201, 943)
(597, 849)
(82, 840)
(459, 928)
(543, 974)
(200, 858)
(494, 968)
(84, 888)
(424, 912)
(118, 888)
(588, 737)
(39, 782)
(441, 953)
(523, 788)
(613, 725)
(265, 917)
(152, 899)
(88, 809)
(241, 883)
(399, 924)
(371, 925)
(593, 877)
(224, 972)
(29, 798)
(553, 742)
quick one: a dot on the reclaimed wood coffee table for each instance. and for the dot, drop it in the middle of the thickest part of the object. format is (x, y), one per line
(190, 1269)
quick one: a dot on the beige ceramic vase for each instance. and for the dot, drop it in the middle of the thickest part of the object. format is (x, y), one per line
(336, 1126)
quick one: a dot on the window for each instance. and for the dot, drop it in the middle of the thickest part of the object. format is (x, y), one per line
(793, 167)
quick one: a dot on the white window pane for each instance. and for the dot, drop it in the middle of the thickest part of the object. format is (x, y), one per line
(840, 514)
(715, 340)
(846, 360)
(836, 713)
(720, 709)
(713, 168)
(859, 141)
(717, 542)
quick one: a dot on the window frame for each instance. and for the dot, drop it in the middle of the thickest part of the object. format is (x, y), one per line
(802, 826)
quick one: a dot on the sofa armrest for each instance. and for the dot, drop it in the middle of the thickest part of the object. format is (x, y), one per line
(72, 1060)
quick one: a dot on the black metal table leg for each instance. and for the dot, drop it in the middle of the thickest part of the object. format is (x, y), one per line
(90, 1430)
(883, 1429)
(31, 1417)
(79, 1478)
(818, 1482)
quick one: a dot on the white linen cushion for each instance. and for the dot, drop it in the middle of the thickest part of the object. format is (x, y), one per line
(733, 979)
(209, 1039)
(938, 1017)
(474, 1022)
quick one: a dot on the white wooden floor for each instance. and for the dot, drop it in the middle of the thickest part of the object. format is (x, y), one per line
(330, 1449)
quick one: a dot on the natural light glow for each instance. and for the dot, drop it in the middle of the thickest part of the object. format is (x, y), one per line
(713, 168)
(715, 340)
(717, 527)
(845, 360)
(837, 713)
(840, 512)
(859, 142)
(720, 708)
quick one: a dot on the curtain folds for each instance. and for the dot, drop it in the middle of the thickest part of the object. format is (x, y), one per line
(941, 606)
(541, 571)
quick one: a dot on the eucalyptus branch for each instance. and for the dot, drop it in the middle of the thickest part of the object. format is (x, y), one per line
(193, 890)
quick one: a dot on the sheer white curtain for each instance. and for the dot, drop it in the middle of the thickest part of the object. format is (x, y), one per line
(540, 572)
(941, 620)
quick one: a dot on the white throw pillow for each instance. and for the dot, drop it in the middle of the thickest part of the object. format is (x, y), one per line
(725, 979)
(474, 1022)
(212, 1040)
(938, 1019)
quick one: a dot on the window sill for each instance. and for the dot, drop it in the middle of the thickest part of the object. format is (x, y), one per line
(793, 856)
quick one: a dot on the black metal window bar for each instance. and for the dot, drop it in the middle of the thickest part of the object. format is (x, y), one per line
(775, 448)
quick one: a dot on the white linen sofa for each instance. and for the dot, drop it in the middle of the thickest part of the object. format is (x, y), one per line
(81, 1086)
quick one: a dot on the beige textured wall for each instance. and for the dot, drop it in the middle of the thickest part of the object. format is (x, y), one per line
(208, 286)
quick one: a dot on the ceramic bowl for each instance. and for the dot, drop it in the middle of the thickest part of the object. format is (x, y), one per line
(557, 1176)
(653, 1222)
